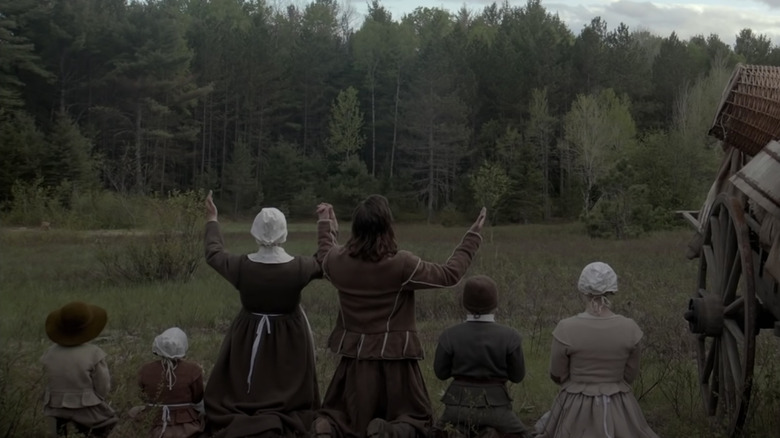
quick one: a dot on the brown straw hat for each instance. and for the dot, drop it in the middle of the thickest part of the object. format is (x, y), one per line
(75, 323)
(480, 295)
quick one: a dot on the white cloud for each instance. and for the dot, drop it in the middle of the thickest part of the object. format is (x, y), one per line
(691, 19)
(686, 19)
(724, 18)
(771, 3)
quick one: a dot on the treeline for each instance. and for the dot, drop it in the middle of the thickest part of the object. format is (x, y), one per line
(288, 105)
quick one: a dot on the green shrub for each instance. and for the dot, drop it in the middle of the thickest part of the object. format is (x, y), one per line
(32, 203)
(449, 216)
(170, 247)
(104, 210)
(20, 394)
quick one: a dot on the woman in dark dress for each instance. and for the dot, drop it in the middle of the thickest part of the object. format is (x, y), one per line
(263, 382)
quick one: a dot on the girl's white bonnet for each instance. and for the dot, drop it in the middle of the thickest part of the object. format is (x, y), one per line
(171, 344)
(597, 278)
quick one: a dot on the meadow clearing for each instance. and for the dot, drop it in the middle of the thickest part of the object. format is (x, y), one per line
(536, 267)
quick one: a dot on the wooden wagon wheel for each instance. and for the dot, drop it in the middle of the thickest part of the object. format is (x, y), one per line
(722, 314)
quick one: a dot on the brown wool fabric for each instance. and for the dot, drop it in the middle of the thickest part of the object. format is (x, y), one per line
(362, 390)
(283, 396)
(184, 421)
(480, 295)
(376, 335)
(75, 323)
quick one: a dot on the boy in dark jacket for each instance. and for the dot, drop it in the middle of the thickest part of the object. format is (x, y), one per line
(481, 356)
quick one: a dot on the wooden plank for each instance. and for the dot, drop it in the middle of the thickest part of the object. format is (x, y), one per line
(688, 215)
(759, 179)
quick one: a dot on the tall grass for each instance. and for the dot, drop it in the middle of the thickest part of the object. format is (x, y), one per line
(536, 268)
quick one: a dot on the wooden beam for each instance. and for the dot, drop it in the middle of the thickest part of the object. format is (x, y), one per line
(689, 216)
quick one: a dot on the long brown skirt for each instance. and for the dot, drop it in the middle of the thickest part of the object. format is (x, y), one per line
(283, 395)
(362, 390)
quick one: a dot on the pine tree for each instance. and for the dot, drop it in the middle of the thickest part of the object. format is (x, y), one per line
(240, 181)
(17, 54)
(21, 146)
(154, 90)
(69, 156)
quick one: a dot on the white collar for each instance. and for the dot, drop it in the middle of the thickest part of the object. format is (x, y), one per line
(270, 255)
(488, 317)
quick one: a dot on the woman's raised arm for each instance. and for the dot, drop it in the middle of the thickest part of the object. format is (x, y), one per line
(428, 275)
(327, 230)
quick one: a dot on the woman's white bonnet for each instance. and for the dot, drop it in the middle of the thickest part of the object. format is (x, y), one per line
(269, 227)
(171, 344)
(597, 278)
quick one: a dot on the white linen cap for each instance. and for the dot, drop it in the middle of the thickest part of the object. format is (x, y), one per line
(597, 278)
(171, 344)
(270, 230)
(269, 227)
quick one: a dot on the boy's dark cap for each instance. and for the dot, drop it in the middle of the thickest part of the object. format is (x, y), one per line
(480, 295)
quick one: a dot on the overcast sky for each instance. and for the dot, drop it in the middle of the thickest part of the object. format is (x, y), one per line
(722, 17)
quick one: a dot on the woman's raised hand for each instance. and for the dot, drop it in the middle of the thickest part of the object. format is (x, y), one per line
(325, 212)
(211, 209)
(480, 222)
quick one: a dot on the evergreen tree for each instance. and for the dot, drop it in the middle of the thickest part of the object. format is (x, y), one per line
(69, 157)
(434, 113)
(540, 134)
(240, 181)
(754, 49)
(154, 89)
(17, 54)
(371, 53)
(22, 147)
(589, 56)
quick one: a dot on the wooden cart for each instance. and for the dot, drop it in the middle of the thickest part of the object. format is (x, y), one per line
(738, 245)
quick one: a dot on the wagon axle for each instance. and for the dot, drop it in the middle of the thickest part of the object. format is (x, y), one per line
(705, 315)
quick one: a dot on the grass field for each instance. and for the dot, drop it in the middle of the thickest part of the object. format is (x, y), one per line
(536, 268)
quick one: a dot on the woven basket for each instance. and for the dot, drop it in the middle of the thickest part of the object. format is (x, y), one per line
(749, 115)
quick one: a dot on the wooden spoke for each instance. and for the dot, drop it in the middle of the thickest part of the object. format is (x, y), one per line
(735, 332)
(713, 397)
(712, 274)
(733, 262)
(731, 361)
(709, 364)
(732, 280)
(736, 306)
(717, 239)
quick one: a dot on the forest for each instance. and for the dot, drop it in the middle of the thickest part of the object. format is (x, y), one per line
(287, 105)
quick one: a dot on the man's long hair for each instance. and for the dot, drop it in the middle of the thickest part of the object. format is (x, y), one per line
(372, 237)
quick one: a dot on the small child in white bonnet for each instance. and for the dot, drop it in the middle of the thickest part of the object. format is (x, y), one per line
(172, 388)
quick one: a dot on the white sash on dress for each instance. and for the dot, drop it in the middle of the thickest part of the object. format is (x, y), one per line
(166, 412)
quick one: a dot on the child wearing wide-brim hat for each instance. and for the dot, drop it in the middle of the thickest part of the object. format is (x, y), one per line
(77, 375)
(480, 356)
